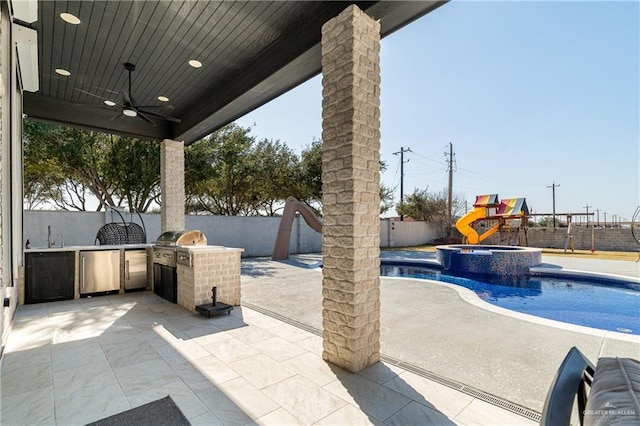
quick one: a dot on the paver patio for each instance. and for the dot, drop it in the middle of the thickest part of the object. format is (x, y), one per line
(79, 361)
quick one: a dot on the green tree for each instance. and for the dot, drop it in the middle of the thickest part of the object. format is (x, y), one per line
(428, 206)
(219, 173)
(276, 174)
(137, 186)
(310, 188)
(69, 167)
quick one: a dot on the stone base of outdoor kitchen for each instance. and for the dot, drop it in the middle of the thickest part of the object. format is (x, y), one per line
(200, 268)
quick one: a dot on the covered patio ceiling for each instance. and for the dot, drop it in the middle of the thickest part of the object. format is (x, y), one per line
(251, 52)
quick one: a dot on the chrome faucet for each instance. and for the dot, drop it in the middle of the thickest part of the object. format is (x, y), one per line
(59, 238)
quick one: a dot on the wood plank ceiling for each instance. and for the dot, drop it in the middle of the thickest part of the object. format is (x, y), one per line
(251, 52)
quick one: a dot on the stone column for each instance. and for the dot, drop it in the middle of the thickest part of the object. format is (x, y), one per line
(172, 185)
(350, 185)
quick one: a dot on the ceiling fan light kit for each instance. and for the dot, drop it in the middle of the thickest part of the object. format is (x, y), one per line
(129, 106)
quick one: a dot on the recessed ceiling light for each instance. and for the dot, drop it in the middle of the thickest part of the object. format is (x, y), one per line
(110, 103)
(129, 112)
(62, 71)
(72, 19)
(163, 99)
(194, 63)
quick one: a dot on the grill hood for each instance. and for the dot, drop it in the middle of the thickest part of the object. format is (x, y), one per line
(181, 238)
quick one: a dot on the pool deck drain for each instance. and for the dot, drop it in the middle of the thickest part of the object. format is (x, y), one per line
(469, 390)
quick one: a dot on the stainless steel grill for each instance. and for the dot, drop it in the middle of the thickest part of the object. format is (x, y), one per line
(165, 256)
(181, 238)
(165, 253)
(167, 243)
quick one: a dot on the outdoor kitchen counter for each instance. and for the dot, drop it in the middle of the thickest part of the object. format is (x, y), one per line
(200, 268)
(37, 277)
(88, 248)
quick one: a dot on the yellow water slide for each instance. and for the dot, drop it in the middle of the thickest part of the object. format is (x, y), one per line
(482, 203)
(464, 224)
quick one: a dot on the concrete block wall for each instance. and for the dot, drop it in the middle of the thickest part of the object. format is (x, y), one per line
(603, 239)
(395, 233)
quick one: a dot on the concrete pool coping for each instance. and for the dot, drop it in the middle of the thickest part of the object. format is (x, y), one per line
(435, 328)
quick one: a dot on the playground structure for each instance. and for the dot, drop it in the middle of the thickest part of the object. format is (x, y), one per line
(506, 217)
(291, 207)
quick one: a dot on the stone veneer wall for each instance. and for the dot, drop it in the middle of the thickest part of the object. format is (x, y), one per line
(350, 185)
(172, 185)
(220, 268)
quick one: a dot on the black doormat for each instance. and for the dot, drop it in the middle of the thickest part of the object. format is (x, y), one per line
(157, 413)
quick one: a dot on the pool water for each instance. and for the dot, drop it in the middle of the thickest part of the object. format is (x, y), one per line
(611, 306)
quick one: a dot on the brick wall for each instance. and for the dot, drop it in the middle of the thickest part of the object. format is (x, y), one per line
(172, 185)
(205, 269)
(350, 185)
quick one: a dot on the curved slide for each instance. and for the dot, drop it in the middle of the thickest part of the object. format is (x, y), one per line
(464, 224)
(292, 205)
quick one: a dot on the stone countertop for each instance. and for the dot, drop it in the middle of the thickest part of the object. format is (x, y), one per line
(208, 249)
(87, 248)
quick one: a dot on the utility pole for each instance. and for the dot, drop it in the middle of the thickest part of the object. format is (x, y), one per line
(553, 188)
(598, 218)
(605, 219)
(587, 207)
(450, 204)
(401, 152)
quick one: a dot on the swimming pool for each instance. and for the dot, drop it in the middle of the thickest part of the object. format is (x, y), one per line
(614, 306)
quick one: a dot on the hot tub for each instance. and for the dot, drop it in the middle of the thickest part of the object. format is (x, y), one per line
(496, 260)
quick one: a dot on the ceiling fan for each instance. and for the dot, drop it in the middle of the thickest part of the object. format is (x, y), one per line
(129, 106)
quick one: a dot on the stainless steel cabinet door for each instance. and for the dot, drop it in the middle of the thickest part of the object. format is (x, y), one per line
(99, 271)
(135, 269)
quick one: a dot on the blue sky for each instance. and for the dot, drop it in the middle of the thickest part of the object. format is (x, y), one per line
(528, 93)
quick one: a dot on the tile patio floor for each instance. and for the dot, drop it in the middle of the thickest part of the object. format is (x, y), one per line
(78, 361)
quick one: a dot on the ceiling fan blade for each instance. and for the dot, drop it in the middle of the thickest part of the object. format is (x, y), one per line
(162, 116)
(115, 92)
(90, 94)
(127, 99)
(147, 119)
(156, 106)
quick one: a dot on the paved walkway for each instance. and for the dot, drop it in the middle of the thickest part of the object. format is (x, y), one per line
(76, 362)
(446, 330)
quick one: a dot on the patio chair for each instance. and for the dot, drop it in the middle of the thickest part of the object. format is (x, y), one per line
(575, 373)
(613, 397)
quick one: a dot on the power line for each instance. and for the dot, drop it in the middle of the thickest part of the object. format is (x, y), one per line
(451, 162)
(587, 207)
(553, 187)
(401, 152)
